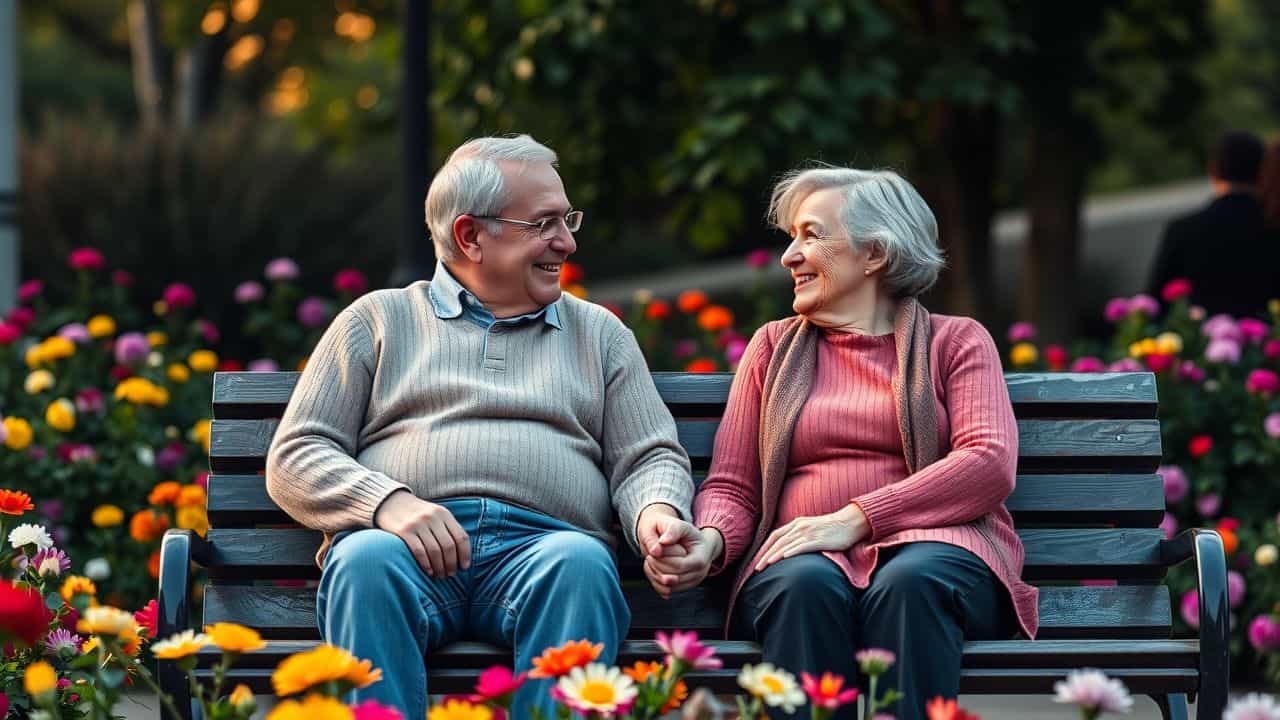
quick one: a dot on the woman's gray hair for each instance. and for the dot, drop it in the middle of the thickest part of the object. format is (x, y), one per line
(470, 183)
(880, 208)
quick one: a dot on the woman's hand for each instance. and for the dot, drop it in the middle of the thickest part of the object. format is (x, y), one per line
(672, 572)
(835, 532)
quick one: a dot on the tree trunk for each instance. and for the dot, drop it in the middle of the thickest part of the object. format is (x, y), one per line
(148, 61)
(415, 257)
(200, 80)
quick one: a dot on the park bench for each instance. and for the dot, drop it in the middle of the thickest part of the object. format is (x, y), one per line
(1087, 506)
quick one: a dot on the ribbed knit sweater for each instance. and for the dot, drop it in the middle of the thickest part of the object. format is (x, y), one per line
(847, 446)
(563, 420)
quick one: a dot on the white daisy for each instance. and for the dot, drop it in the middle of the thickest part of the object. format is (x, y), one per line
(30, 534)
(777, 688)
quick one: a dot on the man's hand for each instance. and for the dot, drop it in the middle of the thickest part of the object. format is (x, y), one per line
(835, 532)
(685, 562)
(433, 535)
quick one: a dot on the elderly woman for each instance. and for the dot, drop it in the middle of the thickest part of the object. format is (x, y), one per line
(865, 455)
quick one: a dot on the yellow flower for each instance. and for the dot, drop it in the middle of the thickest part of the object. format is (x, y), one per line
(61, 415)
(1266, 555)
(230, 637)
(323, 664)
(39, 678)
(57, 348)
(140, 391)
(314, 707)
(1168, 343)
(106, 620)
(459, 710)
(89, 646)
(35, 356)
(159, 396)
(242, 698)
(1273, 306)
(77, 585)
(178, 373)
(597, 688)
(38, 381)
(18, 433)
(200, 433)
(107, 516)
(180, 645)
(193, 518)
(1023, 354)
(160, 308)
(203, 361)
(191, 495)
(100, 326)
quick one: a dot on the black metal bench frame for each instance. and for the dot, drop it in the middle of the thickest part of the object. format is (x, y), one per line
(1087, 506)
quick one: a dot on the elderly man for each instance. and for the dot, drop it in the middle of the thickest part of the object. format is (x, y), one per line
(464, 443)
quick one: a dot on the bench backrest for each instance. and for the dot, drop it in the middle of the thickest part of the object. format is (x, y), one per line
(1087, 506)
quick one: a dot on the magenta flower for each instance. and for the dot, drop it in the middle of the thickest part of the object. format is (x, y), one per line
(1221, 327)
(313, 312)
(282, 269)
(170, 457)
(1190, 608)
(1175, 483)
(351, 281)
(684, 647)
(50, 562)
(1235, 589)
(373, 710)
(1188, 370)
(62, 639)
(22, 317)
(1264, 633)
(1144, 304)
(1271, 349)
(209, 332)
(179, 296)
(263, 365)
(1271, 426)
(132, 348)
(86, 258)
(30, 290)
(734, 350)
(75, 332)
(1252, 330)
(1169, 524)
(249, 291)
(1127, 364)
(1022, 331)
(9, 334)
(1223, 350)
(875, 661)
(681, 349)
(90, 400)
(82, 453)
(1208, 504)
(1088, 363)
(497, 684)
(759, 259)
(1116, 310)
(51, 508)
(1094, 692)
(1262, 382)
(827, 691)
(122, 278)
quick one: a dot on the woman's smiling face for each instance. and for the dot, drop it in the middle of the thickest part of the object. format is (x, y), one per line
(825, 269)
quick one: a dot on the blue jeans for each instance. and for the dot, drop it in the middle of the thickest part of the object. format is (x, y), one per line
(534, 583)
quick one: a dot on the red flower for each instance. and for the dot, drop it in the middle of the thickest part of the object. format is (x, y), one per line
(827, 691)
(939, 709)
(1057, 357)
(1229, 523)
(701, 365)
(15, 502)
(1176, 289)
(1159, 362)
(229, 365)
(353, 282)
(70, 617)
(122, 278)
(1200, 446)
(658, 310)
(571, 273)
(120, 372)
(23, 615)
(148, 618)
(497, 683)
(86, 259)
(22, 316)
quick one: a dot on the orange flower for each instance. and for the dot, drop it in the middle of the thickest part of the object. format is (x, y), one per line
(715, 318)
(570, 274)
(14, 502)
(658, 310)
(1230, 543)
(691, 301)
(641, 671)
(555, 662)
(147, 525)
(153, 564)
(701, 365)
(165, 493)
(191, 496)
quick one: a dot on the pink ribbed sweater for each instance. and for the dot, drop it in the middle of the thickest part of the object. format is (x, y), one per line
(847, 447)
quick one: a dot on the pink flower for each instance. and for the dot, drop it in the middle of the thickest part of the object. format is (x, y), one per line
(29, 290)
(1221, 327)
(684, 647)
(1252, 330)
(209, 332)
(1196, 313)
(1190, 608)
(1176, 289)
(202, 479)
(1235, 589)
(1254, 706)
(179, 296)
(132, 348)
(1264, 633)
(734, 350)
(282, 269)
(75, 332)
(263, 365)
(1159, 362)
(1188, 370)
(89, 400)
(1126, 365)
(313, 312)
(1169, 524)
(1088, 364)
(827, 691)
(497, 684)
(1022, 331)
(9, 334)
(248, 292)
(1271, 426)
(759, 259)
(21, 317)
(1116, 310)
(1175, 483)
(1271, 350)
(86, 258)
(1144, 304)
(1093, 691)
(350, 281)
(1262, 382)
(875, 661)
(1208, 505)
(1223, 350)
(122, 278)
(373, 710)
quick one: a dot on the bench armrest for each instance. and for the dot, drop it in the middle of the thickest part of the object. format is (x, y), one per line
(1205, 547)
(177, 551)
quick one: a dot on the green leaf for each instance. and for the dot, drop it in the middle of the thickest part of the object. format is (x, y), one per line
(111, 677)
(53, 601)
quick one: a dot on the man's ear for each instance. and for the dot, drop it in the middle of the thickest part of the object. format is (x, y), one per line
(466, 236)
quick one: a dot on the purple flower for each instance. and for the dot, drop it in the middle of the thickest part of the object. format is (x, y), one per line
(1093, 691)
(1264, 633)
(313, 312)
(1169, 524)
(282, 269)
(249, 291)
(51, 561)
(169, 457)
(733, 351)
(62, 639)
(1235, 589)
(1191, 609)
(1252, 330)
(209, 332)
(1088, 364)
(51, 509)
(61, 534)
(1223, 350)
(37, 452)
(82, 453)
(1145, 304)
(75, 332)
(1208, 504)
(263, 365)
(1126, 365)
(1116, 310)
(681, 349)
(1221, 327)
(1188, 370)
(874, 661)
(132, 348)
(1022, 331)
(1175, 483)
(1272, 425)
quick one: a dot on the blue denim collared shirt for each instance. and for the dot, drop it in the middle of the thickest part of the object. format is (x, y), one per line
(451, 300)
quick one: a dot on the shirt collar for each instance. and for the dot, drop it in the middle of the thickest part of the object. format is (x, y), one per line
(447, 297)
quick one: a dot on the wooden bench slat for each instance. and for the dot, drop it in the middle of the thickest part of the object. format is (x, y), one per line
(240, 446)
(1129, 611)
(1121, 500)
(244, 395)
(1051, 554)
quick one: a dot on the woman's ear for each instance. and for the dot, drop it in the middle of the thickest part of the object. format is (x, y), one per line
(877, 259)
(466, 236)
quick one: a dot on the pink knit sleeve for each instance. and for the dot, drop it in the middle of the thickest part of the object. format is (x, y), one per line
(729, 499)
(976, 476)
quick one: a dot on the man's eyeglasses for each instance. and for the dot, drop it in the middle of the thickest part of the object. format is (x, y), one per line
(547, 227)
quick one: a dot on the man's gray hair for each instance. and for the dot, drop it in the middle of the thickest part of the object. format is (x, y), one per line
(880, 208)
(470, 183)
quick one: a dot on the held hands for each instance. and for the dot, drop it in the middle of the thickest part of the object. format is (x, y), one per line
(677, 555)
(834, 532)
(433, 535)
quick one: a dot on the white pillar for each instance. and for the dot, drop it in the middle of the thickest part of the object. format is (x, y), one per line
(8, 153)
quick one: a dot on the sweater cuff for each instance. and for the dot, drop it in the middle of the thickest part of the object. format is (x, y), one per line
(629, 503)
(736, 538)
(368, 495)
(883, 509)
